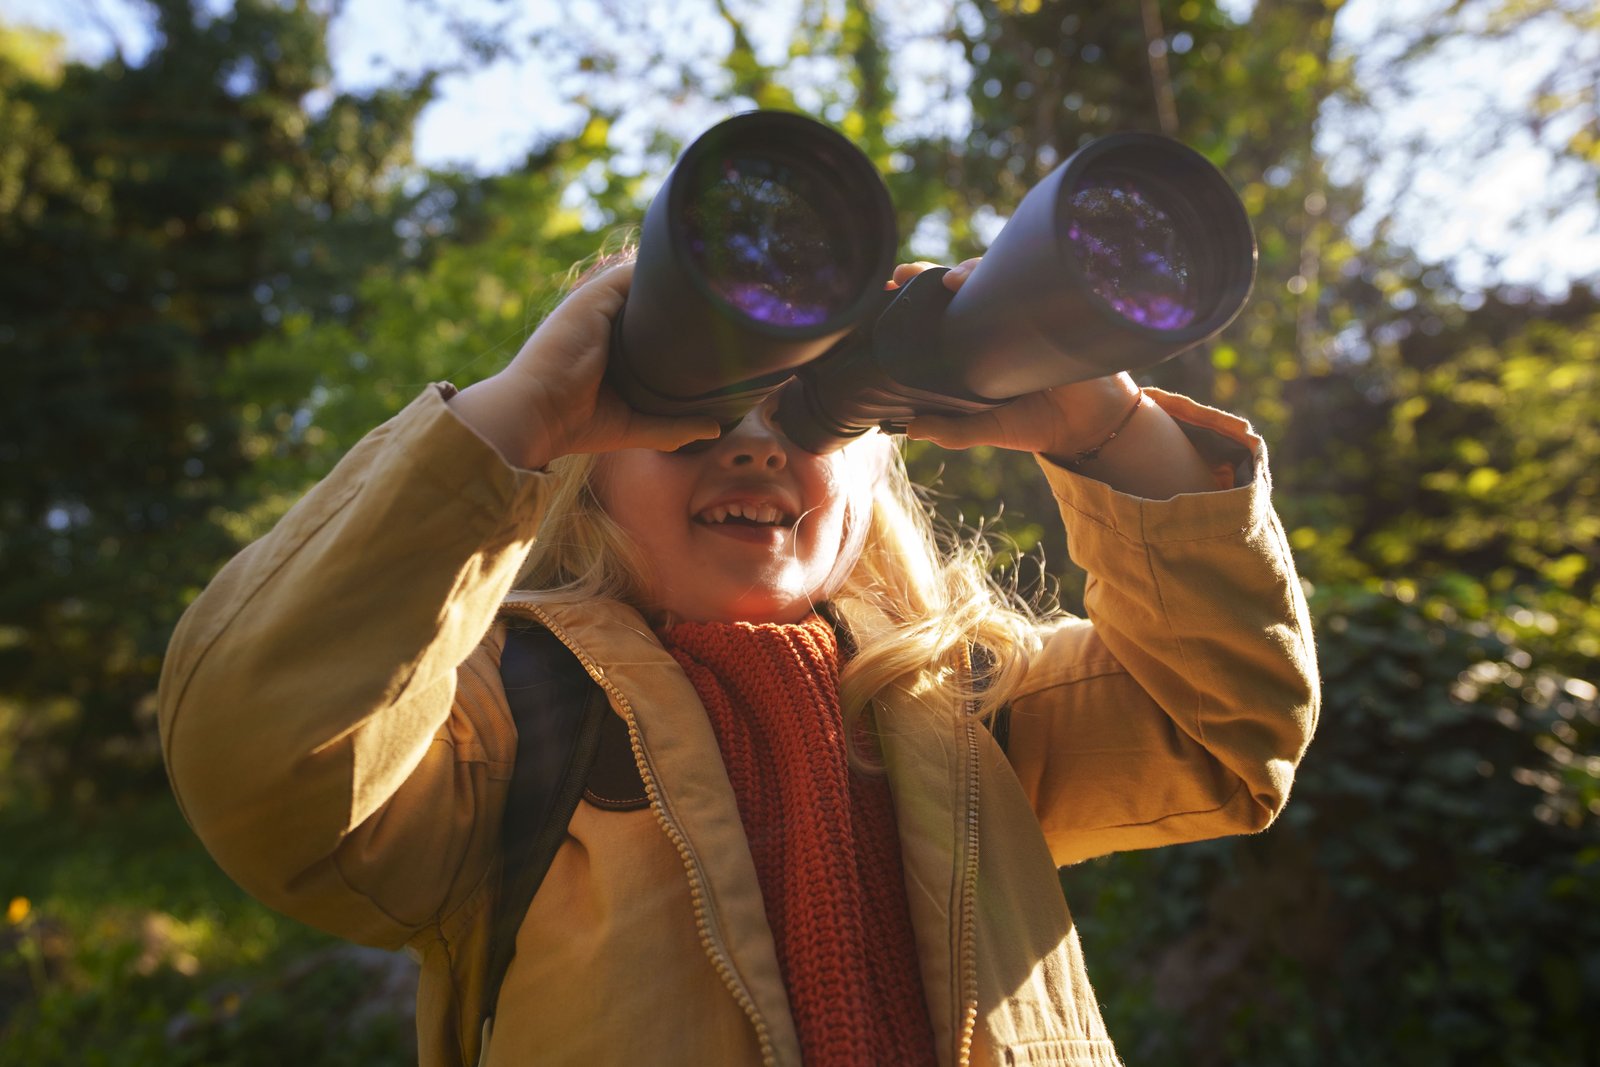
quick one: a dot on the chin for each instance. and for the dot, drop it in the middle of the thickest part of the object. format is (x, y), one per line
(746, 609)
(792, 614)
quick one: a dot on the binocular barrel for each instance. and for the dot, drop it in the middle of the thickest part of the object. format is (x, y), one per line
(770, 239)
(763, 260)
(1131, 251)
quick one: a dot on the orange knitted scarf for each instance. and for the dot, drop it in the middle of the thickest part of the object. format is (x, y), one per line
(826, 851)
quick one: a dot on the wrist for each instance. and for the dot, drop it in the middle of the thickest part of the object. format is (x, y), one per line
(512, 424)
(1088, 455)
(1091, 415)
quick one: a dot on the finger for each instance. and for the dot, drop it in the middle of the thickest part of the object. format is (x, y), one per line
(904, 272)
(607, 289)
(664, 433)
(617, 277)
(957, 275)
(958, 431)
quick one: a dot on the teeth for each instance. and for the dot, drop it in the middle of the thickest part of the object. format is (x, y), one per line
(764, 514)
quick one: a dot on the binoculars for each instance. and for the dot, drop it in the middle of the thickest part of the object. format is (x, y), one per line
(763, 260)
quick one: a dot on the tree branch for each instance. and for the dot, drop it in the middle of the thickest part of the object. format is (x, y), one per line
(1155, 40)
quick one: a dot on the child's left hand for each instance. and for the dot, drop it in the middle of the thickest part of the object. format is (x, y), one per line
(1057, 422)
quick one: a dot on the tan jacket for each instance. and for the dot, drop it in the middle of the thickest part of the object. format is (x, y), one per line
(336, 733)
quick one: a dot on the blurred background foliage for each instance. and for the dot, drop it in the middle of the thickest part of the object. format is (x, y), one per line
(219, 267)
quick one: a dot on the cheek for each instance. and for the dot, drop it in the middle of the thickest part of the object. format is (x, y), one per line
(834, 487)
(640, 495)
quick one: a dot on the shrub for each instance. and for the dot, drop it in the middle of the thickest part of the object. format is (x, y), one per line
(1426, 898)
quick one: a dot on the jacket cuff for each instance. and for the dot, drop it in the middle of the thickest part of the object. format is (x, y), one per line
(451, 455)
(1238, 458)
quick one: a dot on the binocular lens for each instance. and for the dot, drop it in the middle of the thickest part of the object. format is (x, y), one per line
(1134, 256)
(768, 238)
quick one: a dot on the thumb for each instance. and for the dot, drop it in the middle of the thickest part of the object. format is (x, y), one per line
(957, 431)
(665, 433)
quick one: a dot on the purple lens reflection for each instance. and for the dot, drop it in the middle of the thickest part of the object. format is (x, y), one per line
(1132, 253)
(767, 304)
(767, 241)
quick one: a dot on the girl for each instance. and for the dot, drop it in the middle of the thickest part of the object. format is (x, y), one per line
(837, 864)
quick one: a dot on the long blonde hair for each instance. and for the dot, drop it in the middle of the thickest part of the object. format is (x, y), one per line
(916, 605)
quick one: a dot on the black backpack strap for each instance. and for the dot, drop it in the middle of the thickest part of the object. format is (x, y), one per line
(999, 723)
(1000, 729)
(559, 712)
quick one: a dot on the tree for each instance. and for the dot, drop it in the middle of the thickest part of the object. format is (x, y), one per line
(155, 218)
(310, 390)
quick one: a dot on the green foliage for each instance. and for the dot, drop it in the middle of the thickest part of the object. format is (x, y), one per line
(308, 392)
(1488, 458)
(1424, 898)
(133, 950)
(154, 218)
(1494, 424)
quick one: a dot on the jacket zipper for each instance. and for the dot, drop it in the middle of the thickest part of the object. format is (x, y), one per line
(715, 950)
(966, 957)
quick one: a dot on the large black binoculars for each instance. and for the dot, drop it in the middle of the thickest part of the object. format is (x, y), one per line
(762, 264)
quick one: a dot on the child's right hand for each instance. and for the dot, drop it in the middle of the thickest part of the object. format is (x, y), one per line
(552, 399)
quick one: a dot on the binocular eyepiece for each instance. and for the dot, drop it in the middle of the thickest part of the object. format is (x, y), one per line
(763, 259)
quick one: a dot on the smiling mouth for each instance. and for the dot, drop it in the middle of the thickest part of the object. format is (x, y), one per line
(744, 515)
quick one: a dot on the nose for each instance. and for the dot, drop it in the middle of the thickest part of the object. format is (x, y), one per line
(755, 441)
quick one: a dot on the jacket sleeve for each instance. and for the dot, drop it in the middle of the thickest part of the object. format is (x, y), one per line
(1179, 709)
(306, 698)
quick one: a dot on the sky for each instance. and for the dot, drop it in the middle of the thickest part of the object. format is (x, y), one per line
(1471, 209)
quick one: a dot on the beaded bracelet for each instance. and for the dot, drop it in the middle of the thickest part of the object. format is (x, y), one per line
(1088, 454)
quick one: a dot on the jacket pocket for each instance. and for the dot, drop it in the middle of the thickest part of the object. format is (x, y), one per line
(1062, 1052)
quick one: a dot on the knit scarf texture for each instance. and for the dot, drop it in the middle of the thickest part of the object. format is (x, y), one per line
(827, 854)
